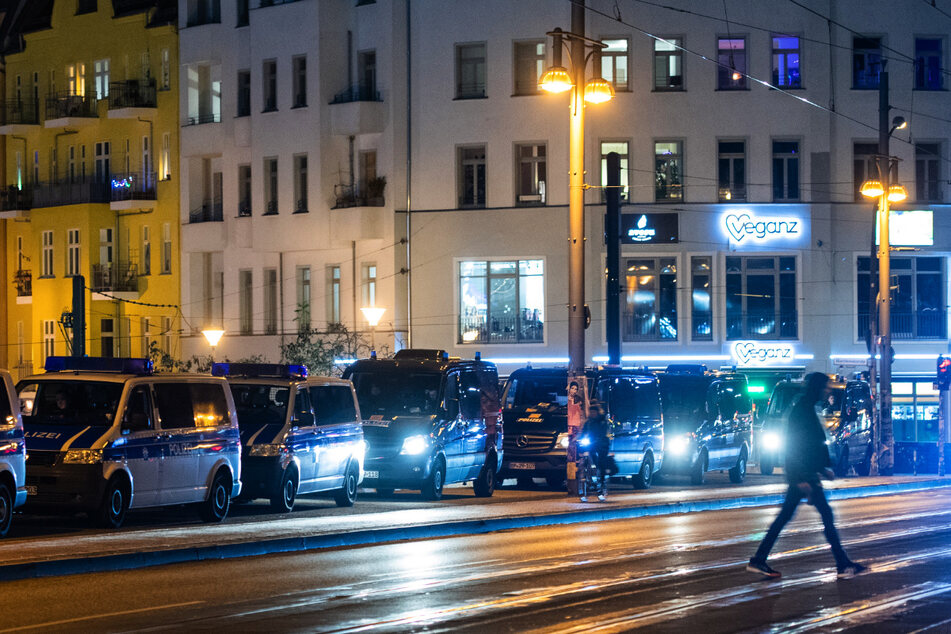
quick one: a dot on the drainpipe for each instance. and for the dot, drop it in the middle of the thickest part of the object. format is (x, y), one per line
(56, 149)
(409, 177)
(353, 290)
(280, 282)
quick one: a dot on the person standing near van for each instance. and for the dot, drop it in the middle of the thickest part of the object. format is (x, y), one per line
(807, 459)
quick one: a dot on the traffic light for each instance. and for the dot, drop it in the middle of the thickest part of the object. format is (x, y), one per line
(944, 372)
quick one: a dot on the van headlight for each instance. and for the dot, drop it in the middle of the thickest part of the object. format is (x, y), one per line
(772, 441)
(678, 445)
(83, 456)
(266, 451)
(563, 441)
(414, 445)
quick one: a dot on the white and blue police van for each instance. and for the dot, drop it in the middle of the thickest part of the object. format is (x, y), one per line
(105, 435)
(300, 434)
(12, 453)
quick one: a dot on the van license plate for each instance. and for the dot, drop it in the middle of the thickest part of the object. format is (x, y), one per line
(528, 466)
(30, 490)
(371, 475)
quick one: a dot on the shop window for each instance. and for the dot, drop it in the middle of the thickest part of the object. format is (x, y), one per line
(650, 309)
(501, 301)
(761, 298)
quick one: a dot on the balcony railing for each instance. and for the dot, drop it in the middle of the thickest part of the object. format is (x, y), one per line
(67, 105)
(244, 208)
(210, 211)
(649, 327)
(121, 277)
(357, 196)
(906, 326)
(132, 93)
(208, 117)
(357, 92)
(56, 194)
(24, 282)
(134, 186)
(479, 329)
(21, 112)
(13, 199)
(762, 325)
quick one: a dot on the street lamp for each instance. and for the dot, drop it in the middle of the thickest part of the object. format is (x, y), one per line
(372, 314)
(213, 336)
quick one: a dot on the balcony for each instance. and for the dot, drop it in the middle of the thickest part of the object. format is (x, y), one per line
(480, 329)
(132, 99)
(922, 325)
(57, 194)
(19, 116)
(762, 325)
(133, 191)
(200, 119)
(357, 110)
(368, 194)
(115, 278)
(66, 110)
(24, 282)
(210, 211)
(15, 203)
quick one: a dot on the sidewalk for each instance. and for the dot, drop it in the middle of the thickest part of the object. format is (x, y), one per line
(104, 551)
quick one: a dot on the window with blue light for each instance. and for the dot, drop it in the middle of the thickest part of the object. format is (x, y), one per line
(786, 69)
(929, 69)
(650, 302)
(866, 62)
(761, 298)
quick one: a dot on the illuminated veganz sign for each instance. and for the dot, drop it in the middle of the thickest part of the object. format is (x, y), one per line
(763, 353)
(745, 226)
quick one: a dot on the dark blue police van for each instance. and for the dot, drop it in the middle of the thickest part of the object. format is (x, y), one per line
(429, 420)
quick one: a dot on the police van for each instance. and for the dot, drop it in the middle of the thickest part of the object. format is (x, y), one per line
(106, 435)
(299, 434)
(12, 454)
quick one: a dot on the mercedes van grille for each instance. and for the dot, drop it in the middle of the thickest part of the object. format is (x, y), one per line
(529, 443)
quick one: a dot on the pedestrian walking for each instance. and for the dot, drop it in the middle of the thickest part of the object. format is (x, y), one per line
(807, 460)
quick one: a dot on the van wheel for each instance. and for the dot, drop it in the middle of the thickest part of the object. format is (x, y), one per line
(699, 472)
(738, 472)
(6, 509)
(644, 477)
(766, 466)
(484, 485)
(114, 504)
(432, 488)
(347, 494)
(283, 500)
(215, 508)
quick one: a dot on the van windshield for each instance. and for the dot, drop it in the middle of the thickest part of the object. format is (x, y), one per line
(260, 404)
(90, 403)
(537, 391)
(832, 405)
(784, 394)
(684, 401)
(392, 394)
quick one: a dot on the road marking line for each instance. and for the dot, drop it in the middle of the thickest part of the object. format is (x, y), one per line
(95, 617)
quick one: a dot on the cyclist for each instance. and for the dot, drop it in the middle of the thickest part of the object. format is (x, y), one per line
(595, 441)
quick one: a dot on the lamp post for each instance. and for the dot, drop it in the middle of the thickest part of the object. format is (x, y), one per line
(372, 314)
(558, 79)
(213, 336)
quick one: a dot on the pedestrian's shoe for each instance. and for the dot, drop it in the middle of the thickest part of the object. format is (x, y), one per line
(851, 570)
(601, 498)
(760, 568)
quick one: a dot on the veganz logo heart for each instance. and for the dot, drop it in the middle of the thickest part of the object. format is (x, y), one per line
(740, 226)
(753, 353)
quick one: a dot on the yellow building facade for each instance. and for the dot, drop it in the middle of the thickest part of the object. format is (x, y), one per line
(91, 128)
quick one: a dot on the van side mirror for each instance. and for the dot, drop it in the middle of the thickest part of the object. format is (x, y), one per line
(134, 421)
(452, 408)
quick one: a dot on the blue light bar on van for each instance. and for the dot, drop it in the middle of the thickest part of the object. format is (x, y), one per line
(270, 370)
(99, 364)
(686, 368)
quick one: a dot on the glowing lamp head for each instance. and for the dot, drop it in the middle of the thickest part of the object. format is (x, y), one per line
(598, 90)
(213, 335)
(372, 314)
(736, 75)
(897, 193)
(872, 188)
(556, 79)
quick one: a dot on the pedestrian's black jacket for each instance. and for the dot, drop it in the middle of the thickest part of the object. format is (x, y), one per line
(807, 454)
(597, 429)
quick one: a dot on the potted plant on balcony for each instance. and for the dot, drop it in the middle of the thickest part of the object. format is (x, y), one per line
(375, 187)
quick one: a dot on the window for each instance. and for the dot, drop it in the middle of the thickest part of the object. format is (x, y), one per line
(72, 253)
(731, 59)
(650, 309)
(269, 89)
(270, 186)
(786, 69)
(864, 166)
(71, 165)
(472, 176)
(166, 166)
(621, 148)
(166, 78)
(244, 190)
(785, 171)
(369, 185)
(501, 301)
(529, 66)
(929, 68)
(303, 297)
(333, 404)
(244, 93)
(101, 76)
(185, 405)
(866, 62)
(928, 172)
(242, 11)
(731, 170)
(270, 301)
(366, 65)
(299, 70)
(166, 248)
(47, 248)
(167, 335)
(761, 298)
(530, 174)
(470, 71)
(36, 167)
(614, 60)
(919, 304)
(103, 159)
(333, 294)
(701, 298)
(300, 183)
(107, 338)
(246, 302)
(85, 6)
(368, 285)
(146, 336)
(668, 64)
(203, 12)
(203, 93)
(49, 338)
(146, 250)
(668, 171)
(146, 162)
(105, 247)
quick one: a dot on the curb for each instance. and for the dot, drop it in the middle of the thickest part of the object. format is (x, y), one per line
(131, 561)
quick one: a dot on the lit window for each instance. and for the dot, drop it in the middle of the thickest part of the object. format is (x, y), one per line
(501, 301)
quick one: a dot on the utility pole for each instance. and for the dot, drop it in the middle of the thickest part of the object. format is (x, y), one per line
(576, 303)
(79, 316)
(612, 229)
(885, 460)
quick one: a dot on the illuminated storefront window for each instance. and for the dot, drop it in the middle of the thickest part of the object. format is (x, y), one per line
(501, 301)
(650, 312)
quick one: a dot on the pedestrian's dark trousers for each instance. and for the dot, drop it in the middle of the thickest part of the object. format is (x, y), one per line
(818, 499)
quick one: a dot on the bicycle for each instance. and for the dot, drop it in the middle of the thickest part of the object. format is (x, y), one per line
(591, 478)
